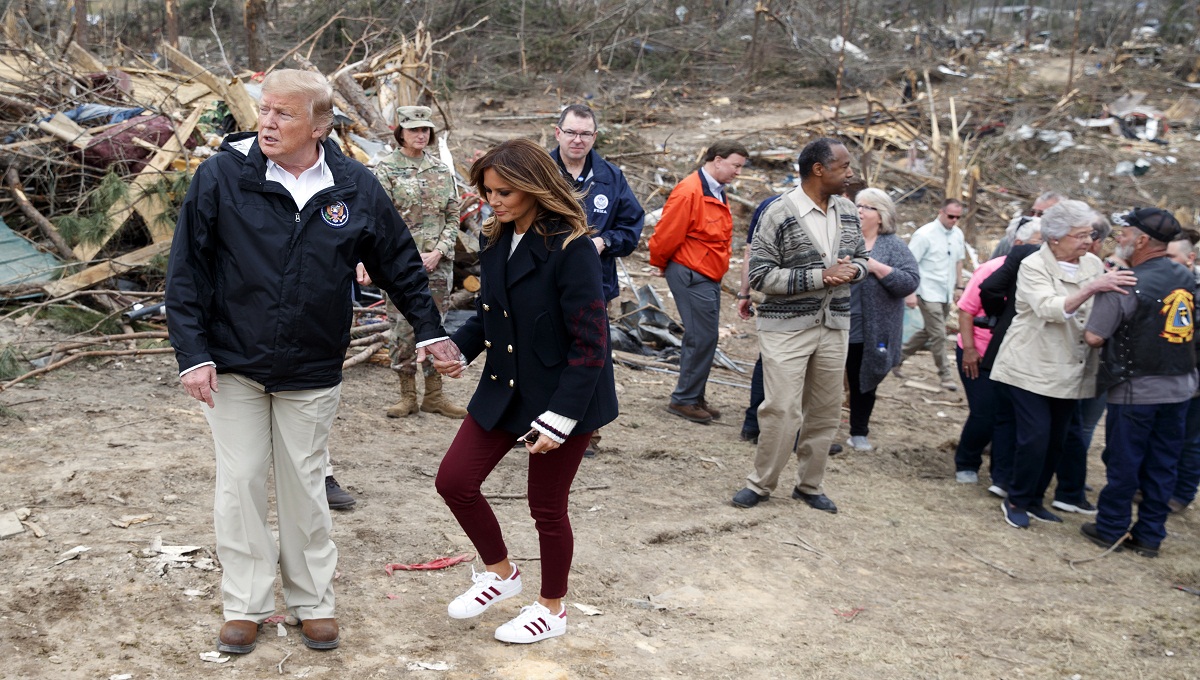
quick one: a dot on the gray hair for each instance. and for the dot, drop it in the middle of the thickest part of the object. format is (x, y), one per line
(1026, 231)
(1100, 228)
(876, 198)
(308, 84)
(1060, 218)
(1050, 196)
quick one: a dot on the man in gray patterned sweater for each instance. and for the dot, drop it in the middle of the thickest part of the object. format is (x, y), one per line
(808, 248)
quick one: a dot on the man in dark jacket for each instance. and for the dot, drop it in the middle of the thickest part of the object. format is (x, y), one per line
(1148, 366)
(257, 292)
(611, 208)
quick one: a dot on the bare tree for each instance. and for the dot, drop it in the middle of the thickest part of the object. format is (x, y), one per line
(172, 11)
(255, 19)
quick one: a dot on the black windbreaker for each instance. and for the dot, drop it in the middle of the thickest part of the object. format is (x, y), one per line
(262, 288)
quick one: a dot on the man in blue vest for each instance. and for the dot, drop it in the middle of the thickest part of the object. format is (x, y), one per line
(1148, 366)
(612, 209)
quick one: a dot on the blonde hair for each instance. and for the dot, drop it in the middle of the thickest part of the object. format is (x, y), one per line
(308, 84)
(882, 203)
(527, 167)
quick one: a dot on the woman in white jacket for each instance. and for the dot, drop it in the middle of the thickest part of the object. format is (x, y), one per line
(1044, 359)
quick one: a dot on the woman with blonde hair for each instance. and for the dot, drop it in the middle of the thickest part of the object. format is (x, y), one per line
(547, 380)
(876, 310)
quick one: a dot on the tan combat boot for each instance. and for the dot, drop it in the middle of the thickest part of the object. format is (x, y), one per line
(436, 402)
(408, 397)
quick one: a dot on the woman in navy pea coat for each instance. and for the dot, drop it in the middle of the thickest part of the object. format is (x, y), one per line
(547, 376)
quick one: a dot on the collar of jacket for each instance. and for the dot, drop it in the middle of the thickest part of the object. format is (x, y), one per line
(254, 165)
(503, 270)
(601, 172)
(706, 188)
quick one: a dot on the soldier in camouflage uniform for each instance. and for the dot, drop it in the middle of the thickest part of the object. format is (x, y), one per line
(423, 190)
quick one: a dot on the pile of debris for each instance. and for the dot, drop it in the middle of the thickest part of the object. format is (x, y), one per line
(98, 156)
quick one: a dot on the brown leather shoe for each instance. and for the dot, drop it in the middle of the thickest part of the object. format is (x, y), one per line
(692, 412)
(320, 633)
(711, 411)
(237, 637)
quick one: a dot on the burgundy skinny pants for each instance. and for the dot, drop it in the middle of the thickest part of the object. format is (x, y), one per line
(473, 455)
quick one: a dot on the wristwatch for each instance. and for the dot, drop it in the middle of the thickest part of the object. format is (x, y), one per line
(606, 241)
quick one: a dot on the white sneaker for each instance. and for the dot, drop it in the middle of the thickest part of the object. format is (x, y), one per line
(534, 624)
(966, 477)
(487, 590)
(859, 443)
(996, 490)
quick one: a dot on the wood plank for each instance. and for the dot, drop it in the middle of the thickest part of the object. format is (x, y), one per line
(240, 104)
(84, 60)
(106, 270)
(66, 129)
(140, 199)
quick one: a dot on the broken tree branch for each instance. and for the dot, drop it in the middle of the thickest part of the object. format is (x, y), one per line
(44, 225)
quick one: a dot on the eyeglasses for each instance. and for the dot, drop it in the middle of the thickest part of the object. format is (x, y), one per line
(1033, 212)
(952, 217)
(576, 133)
(868, 207)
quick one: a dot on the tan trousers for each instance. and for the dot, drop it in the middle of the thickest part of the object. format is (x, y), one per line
(802, 375)
(256, 432)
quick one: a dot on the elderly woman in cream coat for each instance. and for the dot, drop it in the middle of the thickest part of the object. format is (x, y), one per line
(1044, 359)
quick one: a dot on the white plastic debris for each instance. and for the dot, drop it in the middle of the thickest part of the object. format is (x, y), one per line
(71, 554)
(213, 657)
(427, 666)
(280, 630)
(835, 45)
(587, 609)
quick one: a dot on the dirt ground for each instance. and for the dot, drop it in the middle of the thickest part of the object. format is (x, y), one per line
(916, 577)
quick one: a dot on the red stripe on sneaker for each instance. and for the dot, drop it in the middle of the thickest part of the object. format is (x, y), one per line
(494, 591)
(531, 630)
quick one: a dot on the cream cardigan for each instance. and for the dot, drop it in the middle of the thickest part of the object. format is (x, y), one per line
(1044, 351)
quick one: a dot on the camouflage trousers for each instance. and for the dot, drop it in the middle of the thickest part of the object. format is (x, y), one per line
(402, 343)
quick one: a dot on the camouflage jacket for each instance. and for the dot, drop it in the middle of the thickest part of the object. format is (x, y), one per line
(423, 191)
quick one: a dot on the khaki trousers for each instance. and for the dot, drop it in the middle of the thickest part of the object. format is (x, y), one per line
(256, 432)
(931, 336)
(802, 375)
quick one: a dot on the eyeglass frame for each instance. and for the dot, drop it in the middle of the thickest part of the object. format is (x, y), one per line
(579, 134)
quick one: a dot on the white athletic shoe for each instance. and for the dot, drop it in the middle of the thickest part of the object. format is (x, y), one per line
(487, 590)
(534, 624)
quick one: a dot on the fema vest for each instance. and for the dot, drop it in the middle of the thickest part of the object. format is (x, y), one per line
(1158, 339)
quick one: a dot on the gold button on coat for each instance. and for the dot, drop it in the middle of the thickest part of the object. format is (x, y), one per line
(487, 343)
(493, 377)
(506, 315)
(510, 349)
(486, 308)
(510, 383)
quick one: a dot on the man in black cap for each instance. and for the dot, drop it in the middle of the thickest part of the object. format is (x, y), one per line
(1148, 366)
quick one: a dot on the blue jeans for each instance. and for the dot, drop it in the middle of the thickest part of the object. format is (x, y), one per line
(981, 421)
(1188, 477)
(757, 394)
(1143, 452)
(1042, 424)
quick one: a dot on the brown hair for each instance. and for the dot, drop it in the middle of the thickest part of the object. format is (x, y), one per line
(725, 148)
(527, 167)
(398, 135)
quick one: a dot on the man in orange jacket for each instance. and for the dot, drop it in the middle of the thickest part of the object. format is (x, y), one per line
(692, 243)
